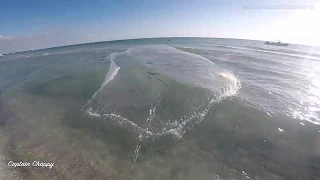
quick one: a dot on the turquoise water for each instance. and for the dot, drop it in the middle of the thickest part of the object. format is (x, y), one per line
(166, 108)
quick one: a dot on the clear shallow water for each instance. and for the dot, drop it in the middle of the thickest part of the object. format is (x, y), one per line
(220, 109)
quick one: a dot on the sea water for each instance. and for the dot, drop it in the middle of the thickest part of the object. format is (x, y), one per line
(164, 108)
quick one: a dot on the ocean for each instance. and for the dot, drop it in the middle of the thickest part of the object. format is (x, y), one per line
(162, 108)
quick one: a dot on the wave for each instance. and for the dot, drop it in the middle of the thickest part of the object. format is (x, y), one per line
(195, 85)
(311, 56)
(271, 52)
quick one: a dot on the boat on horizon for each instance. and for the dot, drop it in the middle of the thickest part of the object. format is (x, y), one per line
(278, 43)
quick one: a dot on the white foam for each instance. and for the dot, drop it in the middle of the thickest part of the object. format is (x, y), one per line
(269, 114)
(199, 117)
(93, 113)
(125, 122)
(231, 89)
(113, 71)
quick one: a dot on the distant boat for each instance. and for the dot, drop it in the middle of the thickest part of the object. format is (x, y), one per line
(276, 43)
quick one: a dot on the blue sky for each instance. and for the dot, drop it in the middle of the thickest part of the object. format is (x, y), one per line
(37, 24)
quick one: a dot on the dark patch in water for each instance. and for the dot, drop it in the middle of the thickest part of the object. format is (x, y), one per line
(80, 87)
(41, 88)
(7, 116)
(1, 103)
(314, 167)
(2, 119)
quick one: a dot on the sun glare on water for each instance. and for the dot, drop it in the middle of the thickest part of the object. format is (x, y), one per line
(298, 26)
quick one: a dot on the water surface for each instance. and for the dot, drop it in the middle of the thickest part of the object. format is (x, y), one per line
(200, 108)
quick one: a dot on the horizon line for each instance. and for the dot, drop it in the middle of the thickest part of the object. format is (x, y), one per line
(94, 42)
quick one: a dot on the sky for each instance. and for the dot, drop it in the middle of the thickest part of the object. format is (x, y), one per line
(36, 24)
